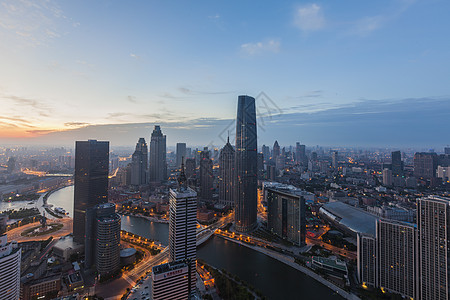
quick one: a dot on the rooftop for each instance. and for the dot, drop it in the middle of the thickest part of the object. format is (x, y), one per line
(357, 220)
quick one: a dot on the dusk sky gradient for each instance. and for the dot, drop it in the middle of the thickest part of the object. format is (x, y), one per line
(336, 72)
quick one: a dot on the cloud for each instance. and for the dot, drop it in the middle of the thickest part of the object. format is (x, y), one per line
(76, 124)
(214, 17)
(135, 56)
(261, 47)
(309, 18)
(41, 131)
(132, 99)
(39, 106)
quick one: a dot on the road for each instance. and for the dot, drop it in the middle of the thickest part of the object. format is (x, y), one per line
(14, 234)
(336, 250)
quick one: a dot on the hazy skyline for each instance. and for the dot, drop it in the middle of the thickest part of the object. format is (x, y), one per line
(356, 73)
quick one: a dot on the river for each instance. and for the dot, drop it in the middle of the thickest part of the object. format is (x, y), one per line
(273, 278)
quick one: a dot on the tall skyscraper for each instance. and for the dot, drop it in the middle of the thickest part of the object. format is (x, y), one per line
(396, 261)
(425, 164)
(182, 227)
(246, 165)
(276, 151)
(266, 152)
(190, 167)
(226, 169)
(206, 176)
(10, 258)
(433, 215)
(91, 183)
(397, 164)
(139, 164)
(366, 260)
(300, 153)
(169, 281)
(181, 152)
(158, 163)
(334, 159)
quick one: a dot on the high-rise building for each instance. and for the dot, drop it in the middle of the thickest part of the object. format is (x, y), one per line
(300, 153)
(182, 227)
(447, 150)
(433, 215)
(260, 164)
(206, 176)
(107, 239)
(139, 164)
(397, 164)
(246, 165)
(226, 170)
(425, 165)
(276, 151)
(366, 260)
(286, 212)
(387, 177)
(334, 159)
(10, 258)
(170, 281)
(158, 163)
(181, 153)
(396, 261)
(91, 183)
(190, 167)
(266, 152)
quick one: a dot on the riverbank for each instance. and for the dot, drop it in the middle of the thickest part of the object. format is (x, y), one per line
(151, 219)
(290, 262)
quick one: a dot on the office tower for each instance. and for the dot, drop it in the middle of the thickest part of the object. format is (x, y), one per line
(206, 176)
(139, 164)
(266, 152)
(286, 212)
(300, 153)
(181, 152)
(396, 261)
(91, 183)
(334, 159)
(447, 150)
(190, 167)
(387, 177)
(10, 256)
(107, 232)
(260, 165)
(226, 169)
(314, 156)
(276, 150)
(271, 172)
(425, 165)
(397, 164)
(433, 214)
(158, 164)
(280, 162)
(188, 153)
(366, 260)
(443, 172)
(170, 281)
(246, 165)
(182, 227)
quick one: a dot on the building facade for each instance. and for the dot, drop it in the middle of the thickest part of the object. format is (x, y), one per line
(91, 182)
(425, 165)
(181, 153)
(10, 258)
(366, 260)
(170, 281)
(206, 176)
(246, 165)
(286, 213)
(158, 162)
(396, 253)
(139, 164)
(226, 171)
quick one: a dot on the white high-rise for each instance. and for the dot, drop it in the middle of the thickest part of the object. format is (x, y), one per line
(10, 256)
(182, 236)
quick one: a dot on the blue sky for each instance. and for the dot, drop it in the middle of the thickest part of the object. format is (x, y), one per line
(71, 64)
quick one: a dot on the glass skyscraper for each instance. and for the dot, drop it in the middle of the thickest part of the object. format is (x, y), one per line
(91, 182)
(246, 165)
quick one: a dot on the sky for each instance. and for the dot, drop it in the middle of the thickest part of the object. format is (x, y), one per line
(323, 72)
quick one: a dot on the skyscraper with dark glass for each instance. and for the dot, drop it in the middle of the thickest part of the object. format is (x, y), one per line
(226, 171)
(181, 152)
(206, 175)
(139, 164)
(158, 164)
(246, 165)
(91, 182)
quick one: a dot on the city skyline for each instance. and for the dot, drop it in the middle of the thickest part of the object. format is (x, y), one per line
(320, 59)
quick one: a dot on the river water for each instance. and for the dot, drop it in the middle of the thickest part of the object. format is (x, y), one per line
(273, 278)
